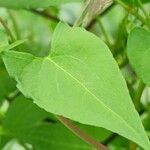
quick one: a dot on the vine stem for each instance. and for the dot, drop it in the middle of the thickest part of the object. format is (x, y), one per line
(104, 32)
(7, 29)
(110, 138)
(133, 12)
(138, 94)
(132, 146)
(142, 8)
(45, 15)
(14, 22)
(77, 131)
(79, 21)
(91, 10)
(94, 21)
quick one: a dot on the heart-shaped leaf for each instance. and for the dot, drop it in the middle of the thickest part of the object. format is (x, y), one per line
(79, 80)
(139, 53)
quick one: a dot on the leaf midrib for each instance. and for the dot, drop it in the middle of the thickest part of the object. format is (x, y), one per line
(95, 97)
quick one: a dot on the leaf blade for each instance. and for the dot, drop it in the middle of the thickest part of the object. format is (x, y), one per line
(76, 78)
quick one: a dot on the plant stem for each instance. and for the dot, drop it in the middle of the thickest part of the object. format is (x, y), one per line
(77, 131)
(13, 95)
(133, 12)
(132, 146)
(79, 21)
(92, 23)
(142, 8)
(8, 31)
(138, 94)
(45, 15)
(104, 32)
(110, 138)
(91, 10)
(14, 24)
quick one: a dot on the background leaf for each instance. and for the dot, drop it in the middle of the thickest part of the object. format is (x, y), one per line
(139, 53)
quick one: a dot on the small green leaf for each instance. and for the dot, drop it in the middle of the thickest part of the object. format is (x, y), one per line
(18, 4)
(138, 49)
(79, 80)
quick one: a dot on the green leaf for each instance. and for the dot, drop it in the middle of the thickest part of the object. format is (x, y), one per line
(138, 49)
(24, 122)
(33, 3)
(23, 113)
(7, 85)
(79, 80)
